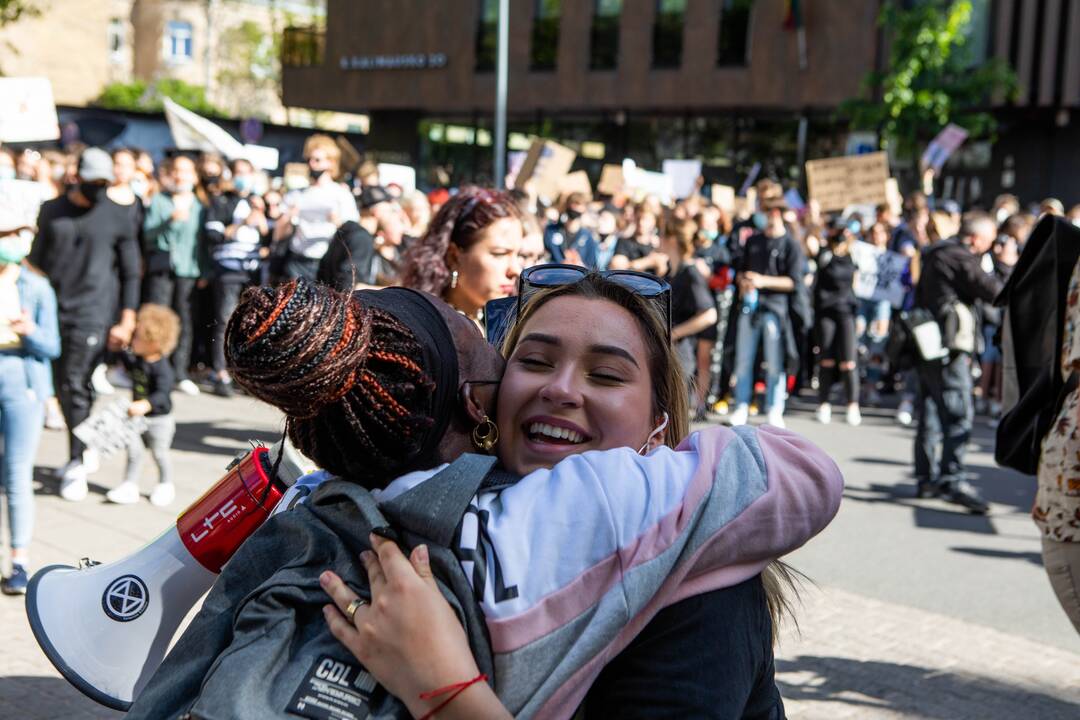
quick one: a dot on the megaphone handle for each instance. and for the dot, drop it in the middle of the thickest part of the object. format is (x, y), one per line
(216, 524)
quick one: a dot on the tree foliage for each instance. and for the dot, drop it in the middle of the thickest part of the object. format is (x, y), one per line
(931, 79)
(13, 10)
(250, 68)
(143, 97)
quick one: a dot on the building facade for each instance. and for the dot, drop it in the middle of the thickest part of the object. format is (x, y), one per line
(729, 81)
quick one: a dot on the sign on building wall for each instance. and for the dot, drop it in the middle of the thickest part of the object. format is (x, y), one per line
(850, 180)
(27, 110)
(405, 61)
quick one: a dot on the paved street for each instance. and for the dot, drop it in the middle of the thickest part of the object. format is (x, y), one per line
(915, 611)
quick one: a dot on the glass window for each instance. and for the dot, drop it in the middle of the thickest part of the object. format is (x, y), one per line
(487, 35)
(177, 41)
(734, 32)
(668, 33)
(116, 38)
(545, 34)
(604, 42)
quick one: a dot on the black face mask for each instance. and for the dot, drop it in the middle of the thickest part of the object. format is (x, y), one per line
(211, 179)
(316, 175)
(572, 214)
(93, 191)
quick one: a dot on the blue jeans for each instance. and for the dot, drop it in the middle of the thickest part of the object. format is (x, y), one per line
(752, 329)
(21, 417)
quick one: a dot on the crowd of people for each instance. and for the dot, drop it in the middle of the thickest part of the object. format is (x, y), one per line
(765, 303)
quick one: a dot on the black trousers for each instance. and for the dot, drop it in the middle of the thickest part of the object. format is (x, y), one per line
(165, 288)
(946, 413)
(227, 289)
(81, 348)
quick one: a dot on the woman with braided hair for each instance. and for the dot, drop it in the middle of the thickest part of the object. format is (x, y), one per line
(470, 253)
(580, 378)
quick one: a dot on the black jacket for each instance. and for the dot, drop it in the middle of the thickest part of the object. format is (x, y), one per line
(348, 260)
(951, 273)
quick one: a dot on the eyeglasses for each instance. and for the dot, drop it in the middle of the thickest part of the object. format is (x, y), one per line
(551, 275)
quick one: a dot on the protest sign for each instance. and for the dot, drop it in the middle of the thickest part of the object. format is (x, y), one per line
(403, 176)
(794, 200)
(723, 196)
(943, 146)
(611, 180)
(111, 428)
(576, 182)
(684, 176)
(546, 165)
(838, 182)
(751, 177)
(880, 273)
(27, 110)
(644, 182)
(22, 198)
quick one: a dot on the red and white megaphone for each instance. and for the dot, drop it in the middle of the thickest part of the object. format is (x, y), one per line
(106, 627)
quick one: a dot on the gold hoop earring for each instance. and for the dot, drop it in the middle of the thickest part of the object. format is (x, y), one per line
(453, 279)
(485, 435)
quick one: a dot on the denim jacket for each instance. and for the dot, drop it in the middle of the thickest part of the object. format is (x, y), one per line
(39, 348)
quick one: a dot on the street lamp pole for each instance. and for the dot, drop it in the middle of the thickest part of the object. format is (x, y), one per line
(501, 72)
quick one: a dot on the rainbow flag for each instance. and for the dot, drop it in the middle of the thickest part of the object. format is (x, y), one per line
(793, 17)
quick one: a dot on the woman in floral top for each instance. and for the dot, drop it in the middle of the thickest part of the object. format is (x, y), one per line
(1057, 502)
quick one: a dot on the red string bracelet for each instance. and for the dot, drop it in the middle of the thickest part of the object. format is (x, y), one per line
(456, 689)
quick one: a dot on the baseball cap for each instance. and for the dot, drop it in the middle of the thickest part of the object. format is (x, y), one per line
(95, 164)
(372, 195)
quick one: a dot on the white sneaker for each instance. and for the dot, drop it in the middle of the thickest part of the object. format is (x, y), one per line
(904, 413)
(61, 472)
(739, 416)
(163, 494)
(824, 413)
(73, 484)
(91, 460)
(188, 387)
(854, 417)
(100, 382)
(776, 418)
(126, 493)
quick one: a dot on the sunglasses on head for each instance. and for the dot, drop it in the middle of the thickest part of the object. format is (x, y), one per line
(650, 287)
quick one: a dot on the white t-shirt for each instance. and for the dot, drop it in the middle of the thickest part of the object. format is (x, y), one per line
(315, 206)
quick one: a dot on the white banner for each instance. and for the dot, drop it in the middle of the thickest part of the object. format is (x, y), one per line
(192, 131)
(684, 175)
(27, 110)
(401, 175)
(880, 273)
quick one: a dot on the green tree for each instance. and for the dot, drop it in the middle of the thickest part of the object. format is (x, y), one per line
(13, 10)
(931, 78)
(250, 67)
(142, 97)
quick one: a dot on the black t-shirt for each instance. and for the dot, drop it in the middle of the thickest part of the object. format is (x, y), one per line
(92, 258)
(151, 381)
(709, 656)
(690, 294)
(348, 259)
(780, 256)
(834, 290)
(631, 249)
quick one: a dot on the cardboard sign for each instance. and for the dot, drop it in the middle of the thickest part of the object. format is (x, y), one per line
(111, 429)
(880, 273)
(403, 176)
(684, 175)
(838, 182)
(546, 165)
(723, 196)
(943, 146)
(27, 110)
(576, 182)
(611, 180)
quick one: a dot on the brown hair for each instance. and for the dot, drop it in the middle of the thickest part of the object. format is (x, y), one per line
(460, 221)
(346, 376)
(159, 326)
(684, 232)
(669, 384)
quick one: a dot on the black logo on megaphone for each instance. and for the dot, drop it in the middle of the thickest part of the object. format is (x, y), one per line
(125, 599)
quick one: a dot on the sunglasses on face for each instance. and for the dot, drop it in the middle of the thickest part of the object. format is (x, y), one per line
(551, 275)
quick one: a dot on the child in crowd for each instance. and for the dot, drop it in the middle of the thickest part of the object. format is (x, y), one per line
(157, 330)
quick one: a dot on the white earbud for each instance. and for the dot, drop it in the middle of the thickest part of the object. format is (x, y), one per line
(660, 428)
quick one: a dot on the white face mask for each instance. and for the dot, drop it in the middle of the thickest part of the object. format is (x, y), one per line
(659, 429)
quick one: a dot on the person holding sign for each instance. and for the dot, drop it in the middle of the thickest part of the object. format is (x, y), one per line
(29, 340)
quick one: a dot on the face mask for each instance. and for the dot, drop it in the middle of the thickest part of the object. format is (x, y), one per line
(760, 220)
(184, 187)
(711, 234)
(572, 214)
(92, 191)
(660, 428)
(244, 184)
(316, 175)
(13, 248)
(7, 173)
(139, 186)
(211, 179)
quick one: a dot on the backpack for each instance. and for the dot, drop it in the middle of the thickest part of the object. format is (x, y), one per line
(279, 659)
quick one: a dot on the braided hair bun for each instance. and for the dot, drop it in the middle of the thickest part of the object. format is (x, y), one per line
(356, 401)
